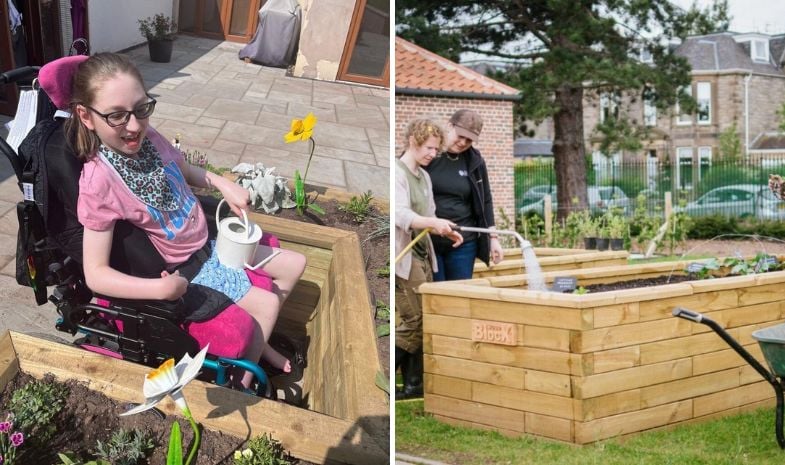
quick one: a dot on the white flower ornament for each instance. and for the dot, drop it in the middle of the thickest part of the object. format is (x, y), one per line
(169, 379)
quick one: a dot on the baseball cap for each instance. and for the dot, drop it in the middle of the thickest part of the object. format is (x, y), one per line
(467, 124)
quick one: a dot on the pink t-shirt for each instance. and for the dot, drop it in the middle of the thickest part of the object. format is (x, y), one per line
(104, 198)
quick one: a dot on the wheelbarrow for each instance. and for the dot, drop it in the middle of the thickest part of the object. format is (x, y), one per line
(772, 343)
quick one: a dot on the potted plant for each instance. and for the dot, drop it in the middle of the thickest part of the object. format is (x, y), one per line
(603, 233)
(588, 230)
(159, 30)
(617, 227)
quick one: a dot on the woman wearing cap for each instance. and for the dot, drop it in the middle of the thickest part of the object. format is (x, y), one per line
(462, 194)
(414, 211)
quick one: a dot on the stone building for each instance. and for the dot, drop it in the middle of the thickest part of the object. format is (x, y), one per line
(430, 86)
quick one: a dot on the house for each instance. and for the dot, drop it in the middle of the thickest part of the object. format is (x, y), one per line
(340, 40)
(737, 79)
(430, 86)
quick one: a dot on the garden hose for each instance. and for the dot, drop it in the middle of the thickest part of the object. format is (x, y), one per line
(411, 244)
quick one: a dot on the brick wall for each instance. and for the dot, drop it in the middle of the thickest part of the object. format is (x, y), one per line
(495, 142)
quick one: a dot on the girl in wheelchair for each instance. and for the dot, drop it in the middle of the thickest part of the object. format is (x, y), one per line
(132, 173)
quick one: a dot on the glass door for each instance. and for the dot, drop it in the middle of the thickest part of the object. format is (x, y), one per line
(366, 57)
(233, 20)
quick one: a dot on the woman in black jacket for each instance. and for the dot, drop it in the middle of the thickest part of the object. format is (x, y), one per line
(463, 195)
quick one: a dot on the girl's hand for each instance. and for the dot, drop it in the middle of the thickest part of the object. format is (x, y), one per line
(236, 196)
(173, 285)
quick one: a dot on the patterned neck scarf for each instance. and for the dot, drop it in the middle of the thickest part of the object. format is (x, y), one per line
(145, 175)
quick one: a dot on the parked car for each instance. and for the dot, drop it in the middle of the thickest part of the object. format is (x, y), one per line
(740, 200)
(600, 199)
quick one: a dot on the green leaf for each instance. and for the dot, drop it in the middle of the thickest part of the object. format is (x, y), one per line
(382, 382)
(383, 330)
(316, 208)
(299, 192)
(175, 454)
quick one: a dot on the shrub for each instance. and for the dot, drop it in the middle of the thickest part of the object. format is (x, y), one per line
(707, 227)
(262, 450)
(158, 27)
(358, 207)
(125, 447)
(35, 406)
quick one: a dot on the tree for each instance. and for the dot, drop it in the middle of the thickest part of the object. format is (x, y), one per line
(730, 143)
(560, 50)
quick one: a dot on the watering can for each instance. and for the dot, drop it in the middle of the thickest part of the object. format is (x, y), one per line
(237, 241)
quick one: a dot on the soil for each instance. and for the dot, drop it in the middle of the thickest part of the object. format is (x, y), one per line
(376, 252)
(89, 416)
(636, 283)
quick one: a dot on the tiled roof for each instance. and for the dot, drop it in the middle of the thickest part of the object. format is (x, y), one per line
(417, 69)
(768, 141)
(716, 52)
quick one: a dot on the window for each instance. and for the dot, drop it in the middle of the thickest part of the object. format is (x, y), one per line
(684, 168)
(684, 118)
(704, 160)
(704, 102)
(609, 105)
(759, 49)
(649, 113)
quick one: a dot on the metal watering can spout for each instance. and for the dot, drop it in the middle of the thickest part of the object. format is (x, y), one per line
(523, 242)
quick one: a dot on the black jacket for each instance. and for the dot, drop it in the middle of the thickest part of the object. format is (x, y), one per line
(482, 203)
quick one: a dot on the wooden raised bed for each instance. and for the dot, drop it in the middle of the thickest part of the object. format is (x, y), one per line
(347, 417)
(581, 368)
(550, 261)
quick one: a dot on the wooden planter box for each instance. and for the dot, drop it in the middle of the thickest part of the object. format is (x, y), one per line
(549, 261)
(581, 368)
(347, 416)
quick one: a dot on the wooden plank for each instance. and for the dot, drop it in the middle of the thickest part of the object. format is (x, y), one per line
(9, 364)
(523, 357)
(722, 360)
(760, 294)
(612, 315)
(548, 383)
(475, 412)
(446, 326)
(525, 401)
(680, 347)
(626, 335)
(615, 359)
(297, 231)
(446, 305)
(545, 338)
(692, 387)
(535, 315)
(470, 424)
(607, 405)
(725, 400)
(474, 371)
(307, 434)
(703, 302)
(631, 378)
(768, 312)
(549, 427)
(447, 386)
(630, 422)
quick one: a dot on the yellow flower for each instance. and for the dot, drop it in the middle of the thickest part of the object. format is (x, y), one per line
(237, 455)
(248, 453)
(301, 129)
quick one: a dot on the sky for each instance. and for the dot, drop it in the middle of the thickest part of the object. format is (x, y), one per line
(767, 16)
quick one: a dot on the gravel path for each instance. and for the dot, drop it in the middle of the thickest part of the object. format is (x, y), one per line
(727, 248)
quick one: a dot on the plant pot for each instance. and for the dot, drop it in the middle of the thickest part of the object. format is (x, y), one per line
(160, 50)
(589, 243)
(602, 243)
(617, 244)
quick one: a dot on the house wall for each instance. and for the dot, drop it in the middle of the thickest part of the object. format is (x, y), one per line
(495, 144)
(325, 28)
(113, 23)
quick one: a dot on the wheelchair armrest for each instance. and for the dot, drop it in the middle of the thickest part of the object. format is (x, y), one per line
(173, 310)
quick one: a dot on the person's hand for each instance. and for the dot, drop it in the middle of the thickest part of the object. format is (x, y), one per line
(456, 238)
(237, 197)
(441, 227)
(497, 253)
(173, 285)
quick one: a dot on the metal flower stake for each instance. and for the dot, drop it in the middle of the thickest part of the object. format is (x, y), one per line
(169, 380)
(302, 129)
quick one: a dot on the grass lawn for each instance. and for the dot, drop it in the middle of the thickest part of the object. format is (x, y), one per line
(738, 440)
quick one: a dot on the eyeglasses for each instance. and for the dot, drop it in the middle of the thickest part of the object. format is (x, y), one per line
(120, 118)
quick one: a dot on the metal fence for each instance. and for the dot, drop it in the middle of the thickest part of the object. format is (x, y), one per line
(726, 187)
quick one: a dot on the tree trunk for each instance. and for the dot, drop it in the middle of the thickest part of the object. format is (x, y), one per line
(568, 151)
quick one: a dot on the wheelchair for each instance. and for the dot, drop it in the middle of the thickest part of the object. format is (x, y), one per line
(49, 255)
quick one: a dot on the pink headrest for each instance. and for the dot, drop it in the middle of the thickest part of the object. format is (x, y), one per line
(56, 77)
